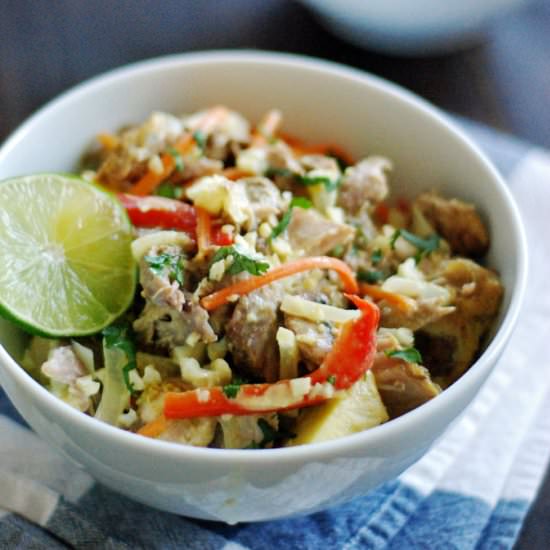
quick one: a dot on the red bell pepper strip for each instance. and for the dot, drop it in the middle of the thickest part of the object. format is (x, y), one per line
(162, 212)
(351, 356)
(165, 213)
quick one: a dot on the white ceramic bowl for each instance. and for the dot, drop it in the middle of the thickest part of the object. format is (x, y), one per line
(321, 101)
(411, 27)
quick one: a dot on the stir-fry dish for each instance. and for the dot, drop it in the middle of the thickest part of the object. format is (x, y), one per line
(283, 298)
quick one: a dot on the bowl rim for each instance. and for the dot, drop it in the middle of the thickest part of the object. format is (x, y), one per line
(312, 451)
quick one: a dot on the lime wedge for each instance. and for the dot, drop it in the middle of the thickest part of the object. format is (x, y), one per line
(67, 267)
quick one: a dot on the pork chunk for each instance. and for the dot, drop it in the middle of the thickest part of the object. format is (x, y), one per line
(314, 234)
(264, 198)
(450, 344)
(315, 340)
(403, 386)
(168, 327)
(456, 221)
(251, 333)
(364, 182)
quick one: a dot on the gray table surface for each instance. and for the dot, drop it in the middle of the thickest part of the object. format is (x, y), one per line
(503, 81)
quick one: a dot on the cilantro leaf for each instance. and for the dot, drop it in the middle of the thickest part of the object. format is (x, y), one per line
(269, 433)
(411, 355)
(330, 184)
(424, 245)
(376, 256)
(200, 139)
(300, 202)
(370, 276)
(121, 336)
(169, 190)
(232, 389)
(178, 159)
(332, 379)
(167, 264)
(337, 251)
(241, 262)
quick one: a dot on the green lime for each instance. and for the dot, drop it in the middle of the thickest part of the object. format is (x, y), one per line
(67, 267)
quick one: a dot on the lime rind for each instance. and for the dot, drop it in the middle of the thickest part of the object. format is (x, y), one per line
(65, 251)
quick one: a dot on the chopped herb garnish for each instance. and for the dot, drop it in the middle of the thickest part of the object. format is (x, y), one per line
(370, 276)
(337, 251)
(167, 264)
(300, 202)
(376, 256)
(122, 337)
(200, 140)
(241, 262)
(424, 245)
(361, 240)
(329, 183)
(232, 389)
(331, 379)
(270, 434)
(178, 160)
(169, 190)
(411, 355)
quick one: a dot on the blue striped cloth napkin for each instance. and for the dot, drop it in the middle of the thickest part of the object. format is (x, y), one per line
(472, 490)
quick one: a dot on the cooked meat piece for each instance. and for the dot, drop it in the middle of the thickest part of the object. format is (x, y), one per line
(281, 157)
(314, 340)
(319, 162)
(314, 234)
(403, 386)
(167, 327)
(264, 197)
(156, 284)
(450, 344)
(63, 369)
(456, 221)
(197, 168)
(424, 311)
(63, 366)
(198, 432)
(364, 182)
(228, 137)
(251, 333)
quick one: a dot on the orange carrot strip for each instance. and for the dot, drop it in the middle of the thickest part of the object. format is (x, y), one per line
(204, 228)
(403, 303)
(219, 298)
(235, 173)
(301, 148)
(154, 428)
(147, 184)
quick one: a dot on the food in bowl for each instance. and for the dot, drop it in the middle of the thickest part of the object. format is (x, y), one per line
(282, 300)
